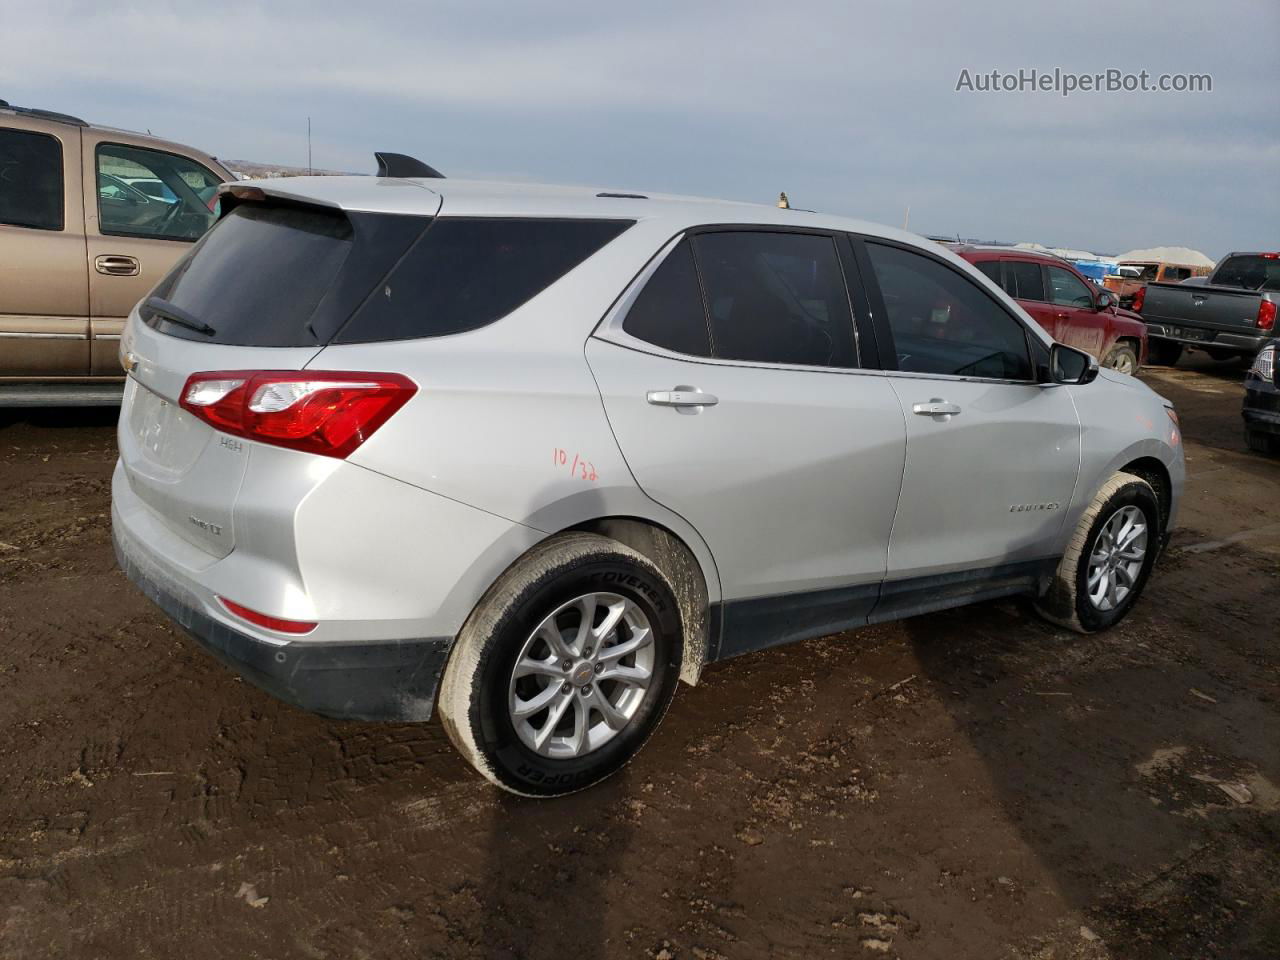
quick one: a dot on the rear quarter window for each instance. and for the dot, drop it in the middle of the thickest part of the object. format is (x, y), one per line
(466, 273)
(30, 180)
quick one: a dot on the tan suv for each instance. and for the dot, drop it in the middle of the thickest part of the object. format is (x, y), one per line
(90, 219)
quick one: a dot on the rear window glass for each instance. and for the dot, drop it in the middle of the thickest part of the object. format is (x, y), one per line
(1251, 271)
(466, 273)
(257, 277)
(30, 180)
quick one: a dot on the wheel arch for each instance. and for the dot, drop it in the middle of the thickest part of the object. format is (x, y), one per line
(1157, 475)
(690, 583)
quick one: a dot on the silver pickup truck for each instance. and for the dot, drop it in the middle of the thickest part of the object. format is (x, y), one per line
(1232, 314)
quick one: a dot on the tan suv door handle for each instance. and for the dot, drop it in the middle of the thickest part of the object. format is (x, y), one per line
(116, 266)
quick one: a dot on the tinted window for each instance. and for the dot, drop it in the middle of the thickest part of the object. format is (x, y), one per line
(1251, 271)
(464, 273)
(776, 298)
(1023, 280)
(668, 313)
(258, 276)
(992, 269)
(1176, 274)
(148, 193)
(1068, 290)
(30, 180)
(944, 323)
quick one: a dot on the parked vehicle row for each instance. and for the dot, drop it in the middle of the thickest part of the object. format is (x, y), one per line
(1132, 275)
(1063, 301)
(1231, 315)
(530, 454)
(90, 219)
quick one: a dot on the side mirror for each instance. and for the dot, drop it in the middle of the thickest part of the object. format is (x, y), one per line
(1069, 365)
(1104, 300)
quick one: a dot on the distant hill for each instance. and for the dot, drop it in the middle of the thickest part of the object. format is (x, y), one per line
(268, 171)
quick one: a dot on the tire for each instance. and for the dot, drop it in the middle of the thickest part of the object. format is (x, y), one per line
(480, 694)
(1163, 353)
(1263, 443)
(1122, 358)
(1068, 602)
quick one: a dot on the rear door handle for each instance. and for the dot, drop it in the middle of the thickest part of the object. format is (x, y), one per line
(116, 266)
(681, 397)
(936, 408)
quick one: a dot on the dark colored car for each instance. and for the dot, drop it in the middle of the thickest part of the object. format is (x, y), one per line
(1262, 401)
(1229, 316)
(1063, 301)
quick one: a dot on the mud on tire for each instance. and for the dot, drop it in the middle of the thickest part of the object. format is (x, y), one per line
(475, 690)
(1067, 602)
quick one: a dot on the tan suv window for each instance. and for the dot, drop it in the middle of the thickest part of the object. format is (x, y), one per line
(30, 180)
(149, 193)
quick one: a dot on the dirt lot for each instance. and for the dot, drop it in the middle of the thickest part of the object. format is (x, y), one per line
(968, 784)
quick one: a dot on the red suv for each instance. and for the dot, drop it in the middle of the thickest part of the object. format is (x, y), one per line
(1073, 310)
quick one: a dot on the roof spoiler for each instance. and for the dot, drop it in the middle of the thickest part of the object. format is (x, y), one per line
(399, 165)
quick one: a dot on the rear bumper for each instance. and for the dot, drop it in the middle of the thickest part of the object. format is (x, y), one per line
(1208, 337)
(392, 680)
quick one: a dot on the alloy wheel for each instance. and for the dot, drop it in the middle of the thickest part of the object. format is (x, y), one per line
(581, 675)
(1117, 557)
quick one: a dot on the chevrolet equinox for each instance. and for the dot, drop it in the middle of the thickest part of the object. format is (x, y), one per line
(531, 455)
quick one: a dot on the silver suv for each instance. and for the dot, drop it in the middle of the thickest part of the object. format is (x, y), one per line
(532, 454)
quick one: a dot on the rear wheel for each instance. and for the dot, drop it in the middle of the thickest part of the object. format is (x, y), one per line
(1163, 353)
(1108, 559)
(1122, 358)
(565, 667)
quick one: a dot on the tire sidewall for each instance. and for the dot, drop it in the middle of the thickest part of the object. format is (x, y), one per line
(1137, 494)
(515, 764)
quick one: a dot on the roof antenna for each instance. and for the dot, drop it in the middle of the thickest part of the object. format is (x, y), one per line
(783, 202)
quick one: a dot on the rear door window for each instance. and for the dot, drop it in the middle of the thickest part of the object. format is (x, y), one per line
(465, 273)
(31, 191)
(668, 312)
(1024, 280)
(776, 298)
(944, 323)
(150, 193)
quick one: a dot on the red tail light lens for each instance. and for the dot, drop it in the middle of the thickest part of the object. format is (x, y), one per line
(279, 624)
(317, 411)
(1266, 314)
(1139, 299)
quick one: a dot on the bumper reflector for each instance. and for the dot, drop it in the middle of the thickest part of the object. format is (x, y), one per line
(279, 624)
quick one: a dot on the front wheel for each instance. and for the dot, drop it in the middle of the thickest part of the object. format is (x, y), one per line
(1122, 359)
(1109, 558)
(565, 667)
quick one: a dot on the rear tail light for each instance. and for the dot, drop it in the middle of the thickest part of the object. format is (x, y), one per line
(1139, 299)
(324, 412)
(279, 624)
(1266, 314)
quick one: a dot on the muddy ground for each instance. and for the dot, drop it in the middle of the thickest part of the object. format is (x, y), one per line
(968, 784)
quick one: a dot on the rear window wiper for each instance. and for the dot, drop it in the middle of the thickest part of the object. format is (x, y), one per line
(163, 308)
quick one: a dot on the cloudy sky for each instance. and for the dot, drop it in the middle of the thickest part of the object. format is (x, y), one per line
(851, 108)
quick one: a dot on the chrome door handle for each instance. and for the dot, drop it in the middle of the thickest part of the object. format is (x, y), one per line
(936, 408)
(681, 397)
(116, 266)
